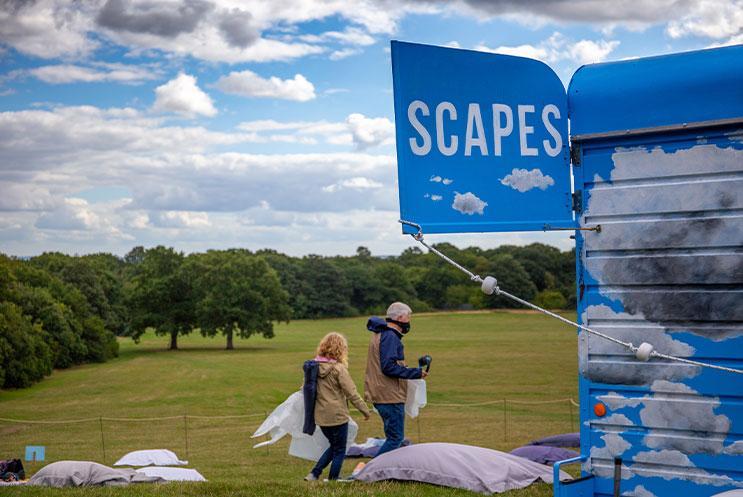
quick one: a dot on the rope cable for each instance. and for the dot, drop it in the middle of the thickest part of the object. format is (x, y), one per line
(644, 352)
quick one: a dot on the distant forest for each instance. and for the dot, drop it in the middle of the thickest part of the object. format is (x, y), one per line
(58, 310)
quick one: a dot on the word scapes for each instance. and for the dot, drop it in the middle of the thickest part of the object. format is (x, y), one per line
(486, 129)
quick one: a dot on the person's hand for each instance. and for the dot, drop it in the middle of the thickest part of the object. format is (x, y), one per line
(423, 374)
(366, 417)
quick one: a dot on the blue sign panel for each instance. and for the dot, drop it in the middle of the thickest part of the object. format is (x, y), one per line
(481, 141)
(35, 452)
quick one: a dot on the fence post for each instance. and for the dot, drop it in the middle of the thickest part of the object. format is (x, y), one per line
(505, 422)
(103, 442)
(185, 432)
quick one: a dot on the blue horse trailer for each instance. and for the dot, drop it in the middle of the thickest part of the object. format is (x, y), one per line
(657, 150)
(656, 159)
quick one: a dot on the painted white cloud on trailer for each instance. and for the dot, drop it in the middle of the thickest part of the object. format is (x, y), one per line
(468, 203)
(524, 180)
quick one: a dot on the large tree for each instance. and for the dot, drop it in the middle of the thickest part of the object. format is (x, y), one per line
(161, 296)
(237, 293)
(25, 357)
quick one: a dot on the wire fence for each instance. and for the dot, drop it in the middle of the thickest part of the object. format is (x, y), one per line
(105, 439)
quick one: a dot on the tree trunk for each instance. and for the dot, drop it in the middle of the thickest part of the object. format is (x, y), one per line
(173, 340)
(230, 346)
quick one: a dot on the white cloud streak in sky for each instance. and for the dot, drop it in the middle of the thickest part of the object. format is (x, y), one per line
(249, 84)
(558, 48)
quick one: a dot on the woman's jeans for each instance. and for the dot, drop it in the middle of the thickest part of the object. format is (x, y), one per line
(393, 417)
(337, 436)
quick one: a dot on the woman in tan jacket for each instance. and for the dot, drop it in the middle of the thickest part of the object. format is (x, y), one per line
(334, 389)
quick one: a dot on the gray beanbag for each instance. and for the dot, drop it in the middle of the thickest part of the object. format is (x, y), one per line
(86, 473)
(458, 466)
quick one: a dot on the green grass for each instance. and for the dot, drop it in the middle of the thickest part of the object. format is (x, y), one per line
(477, 357)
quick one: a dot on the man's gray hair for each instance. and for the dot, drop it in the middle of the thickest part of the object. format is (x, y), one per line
(396, 310)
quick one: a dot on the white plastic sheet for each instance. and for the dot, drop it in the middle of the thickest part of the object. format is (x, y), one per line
(416, 399)
(288, 419)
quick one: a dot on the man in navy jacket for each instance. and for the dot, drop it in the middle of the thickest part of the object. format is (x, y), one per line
(385, 384)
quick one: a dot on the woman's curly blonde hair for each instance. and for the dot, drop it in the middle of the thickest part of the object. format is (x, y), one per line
(334, 346)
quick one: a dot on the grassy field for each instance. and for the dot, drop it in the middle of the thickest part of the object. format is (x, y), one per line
(477, 357)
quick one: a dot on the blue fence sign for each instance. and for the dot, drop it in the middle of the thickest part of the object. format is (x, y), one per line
(35, 453)
(481, 141)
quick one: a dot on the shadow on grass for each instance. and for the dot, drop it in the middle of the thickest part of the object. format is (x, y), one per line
(139, 350)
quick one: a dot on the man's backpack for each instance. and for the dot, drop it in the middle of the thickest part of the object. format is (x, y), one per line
(309, 391)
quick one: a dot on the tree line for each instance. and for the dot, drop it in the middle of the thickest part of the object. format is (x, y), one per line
(58, 310)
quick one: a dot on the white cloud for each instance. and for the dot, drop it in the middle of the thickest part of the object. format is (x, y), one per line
(590, 52)
(22, 197)
(436, 198)
(174, 168)
(74, 214)
(68, 73)
(344, 53)
(370, 132)
(558, 48)
(233, 32)
(529, 51)
(182, 96)
(439, 179)
(627, 13)
(350, 36)
(715, 19)
(735, 40)
(639, 491)
(356, 183)
(468, 203)
(180, 219)
(735, 448)
(614, 446)
(48, 28)
(646, 464)
(358, 130)
(249, 84)
(524, 180)
(664, 409)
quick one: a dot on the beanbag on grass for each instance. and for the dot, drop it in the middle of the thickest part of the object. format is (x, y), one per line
(86, 473)
(562, 440)
(153, 457)
(544, 454)
(458, 466)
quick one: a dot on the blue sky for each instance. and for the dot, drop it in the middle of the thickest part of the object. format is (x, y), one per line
(221, 123)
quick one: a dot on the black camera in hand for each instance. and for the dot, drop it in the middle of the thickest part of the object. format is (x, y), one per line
(425, 362)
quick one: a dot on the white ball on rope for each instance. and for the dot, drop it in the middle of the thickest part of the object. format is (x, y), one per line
(489, 285)
(644, 351)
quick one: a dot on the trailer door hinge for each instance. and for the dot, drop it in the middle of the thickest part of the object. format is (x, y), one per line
(578, 201)
(575, 154)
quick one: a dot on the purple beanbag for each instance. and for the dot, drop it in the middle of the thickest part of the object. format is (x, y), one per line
(544, 454)
(563, 440)
(458, 466)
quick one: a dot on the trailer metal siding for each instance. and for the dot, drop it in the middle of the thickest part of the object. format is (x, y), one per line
(666, 268)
